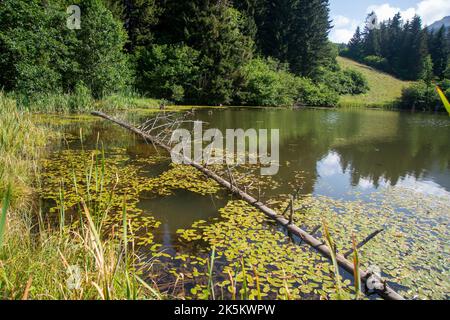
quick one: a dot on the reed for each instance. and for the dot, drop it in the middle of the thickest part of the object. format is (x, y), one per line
(356, 273)
(210, 287)
(332, 246)
(74, 260)
(5, 205)
(20, 146)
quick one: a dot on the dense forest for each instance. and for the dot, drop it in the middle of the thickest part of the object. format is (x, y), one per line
(249, 52)
(405, 49)
(409, 51)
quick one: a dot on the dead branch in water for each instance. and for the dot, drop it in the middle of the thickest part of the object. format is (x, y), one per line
(362, 243)
(386, 293)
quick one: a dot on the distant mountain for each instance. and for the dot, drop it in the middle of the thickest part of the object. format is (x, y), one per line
(438, 24)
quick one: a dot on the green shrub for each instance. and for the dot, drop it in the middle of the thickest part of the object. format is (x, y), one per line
(315, 94)
(101, 63)
(40, 56)
(81, 99)
(344, 81)
(266, 84)
(168, 71)
(356, 82)
(421, 96)
(377, 62)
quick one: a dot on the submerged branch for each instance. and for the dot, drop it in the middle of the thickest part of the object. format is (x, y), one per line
(386, 293)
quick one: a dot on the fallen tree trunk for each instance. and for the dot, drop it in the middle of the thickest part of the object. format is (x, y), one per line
(387, 293)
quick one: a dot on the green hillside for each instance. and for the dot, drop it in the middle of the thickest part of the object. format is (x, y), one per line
(384, 88)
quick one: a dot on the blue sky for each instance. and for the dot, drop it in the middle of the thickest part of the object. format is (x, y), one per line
(348, 14)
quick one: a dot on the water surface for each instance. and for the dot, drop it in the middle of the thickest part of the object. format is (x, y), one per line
(386, 163)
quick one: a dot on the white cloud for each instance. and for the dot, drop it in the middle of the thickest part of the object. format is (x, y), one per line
(343, 30)
(386, 11)
(433, 10)
(341, 21)
(341, 35)
(329, 165)
(429, 10)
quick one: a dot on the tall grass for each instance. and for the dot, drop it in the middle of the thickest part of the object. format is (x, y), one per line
(356, 267)
(38, 261)
(332, 246)
(81, 101)
(5, 205)
(20, 145)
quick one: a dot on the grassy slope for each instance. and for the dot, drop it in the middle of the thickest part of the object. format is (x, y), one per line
(384, 88)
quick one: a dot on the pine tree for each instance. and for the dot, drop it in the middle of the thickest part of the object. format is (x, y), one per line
(371, 40)
(395, 39)
(427, 70)
(274, 26)
(355, 46)
(309, 48)
(447, 70)
(416, 49)
(138, 17)
(384, 39)
(296, 32)
(216, 30)
(439, 51)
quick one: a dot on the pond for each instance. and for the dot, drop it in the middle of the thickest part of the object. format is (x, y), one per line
(360, 170)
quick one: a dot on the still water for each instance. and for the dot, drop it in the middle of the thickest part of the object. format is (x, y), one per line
(337, 153)
(342, 155)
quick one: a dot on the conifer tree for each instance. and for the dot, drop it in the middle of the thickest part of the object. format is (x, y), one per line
(216, 30)
(355, 46)
(416, 49)
(371, 40)
(296, 32)
(439, 51)
(138, 17)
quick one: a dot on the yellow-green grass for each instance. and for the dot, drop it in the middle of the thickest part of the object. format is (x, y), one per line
(38, 261)
(384, 91)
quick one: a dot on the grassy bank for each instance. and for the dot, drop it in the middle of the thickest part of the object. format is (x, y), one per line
(384, 91)
(80, 102)
(43, 260)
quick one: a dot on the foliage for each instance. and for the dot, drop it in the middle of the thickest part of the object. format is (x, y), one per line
(31, 38)
(266, 83)
(293, 31)
(377, 62)
(103, 66)
(192, 52)
(439, 44)
(40, 55)
(169, 71)
(269, 83)
(401, 48)
(384, 90)
(347, 81)
(423, 96)
(316, 94)
(139, 17)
